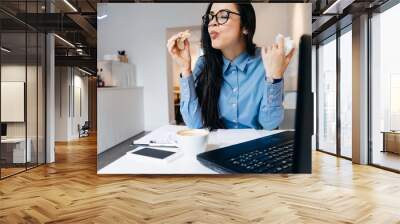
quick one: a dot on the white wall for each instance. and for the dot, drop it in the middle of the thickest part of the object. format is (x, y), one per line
(61, 104)
(80, 82)
(140, 29)
(66, 122)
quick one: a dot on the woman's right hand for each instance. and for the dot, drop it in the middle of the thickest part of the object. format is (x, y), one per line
(181, 57)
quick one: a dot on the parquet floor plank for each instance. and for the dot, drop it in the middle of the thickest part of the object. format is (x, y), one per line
(70, 191)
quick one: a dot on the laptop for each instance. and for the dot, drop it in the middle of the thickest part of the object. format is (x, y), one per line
(284, 152)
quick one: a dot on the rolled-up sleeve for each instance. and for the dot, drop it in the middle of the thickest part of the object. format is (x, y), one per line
(271, 110)
(189, 103)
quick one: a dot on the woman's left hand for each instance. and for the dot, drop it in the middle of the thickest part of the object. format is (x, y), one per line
(275, 61)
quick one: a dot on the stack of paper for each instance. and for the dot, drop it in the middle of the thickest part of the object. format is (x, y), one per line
(163, 135)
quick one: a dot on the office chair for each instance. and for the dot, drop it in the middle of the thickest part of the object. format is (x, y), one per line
(84, 130)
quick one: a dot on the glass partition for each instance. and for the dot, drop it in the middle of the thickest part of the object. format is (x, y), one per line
(346, 94)
(385, 89)
(41, 111)
(13, 104)
(327, 96)
(22, 78)
(31, 100)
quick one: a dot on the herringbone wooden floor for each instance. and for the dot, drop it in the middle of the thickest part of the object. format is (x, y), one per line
(69, 191)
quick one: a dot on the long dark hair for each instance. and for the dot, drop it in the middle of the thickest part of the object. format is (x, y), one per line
(210, 79)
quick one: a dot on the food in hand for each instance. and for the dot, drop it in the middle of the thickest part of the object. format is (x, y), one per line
(180, 41)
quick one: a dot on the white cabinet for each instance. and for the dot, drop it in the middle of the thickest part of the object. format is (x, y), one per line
(120, 115)
(117, 74)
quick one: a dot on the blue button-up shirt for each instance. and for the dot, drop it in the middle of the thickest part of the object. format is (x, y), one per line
(247, 99)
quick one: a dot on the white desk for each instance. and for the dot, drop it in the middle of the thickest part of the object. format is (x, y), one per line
(19, 149)
(185, 164)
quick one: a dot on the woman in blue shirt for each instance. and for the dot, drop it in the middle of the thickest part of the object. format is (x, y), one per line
(229, 86)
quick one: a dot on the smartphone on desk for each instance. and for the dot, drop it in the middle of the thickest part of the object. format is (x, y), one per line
(158, 154)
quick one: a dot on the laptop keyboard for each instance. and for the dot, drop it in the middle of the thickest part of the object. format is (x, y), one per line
(274, 159)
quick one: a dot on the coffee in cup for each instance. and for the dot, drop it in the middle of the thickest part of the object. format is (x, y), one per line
(192, 140)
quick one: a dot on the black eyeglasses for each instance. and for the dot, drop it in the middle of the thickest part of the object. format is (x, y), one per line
(222, 16)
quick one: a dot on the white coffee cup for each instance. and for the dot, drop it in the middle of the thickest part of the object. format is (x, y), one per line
(192, 140)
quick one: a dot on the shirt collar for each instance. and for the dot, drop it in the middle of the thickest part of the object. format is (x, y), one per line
(240, 61)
